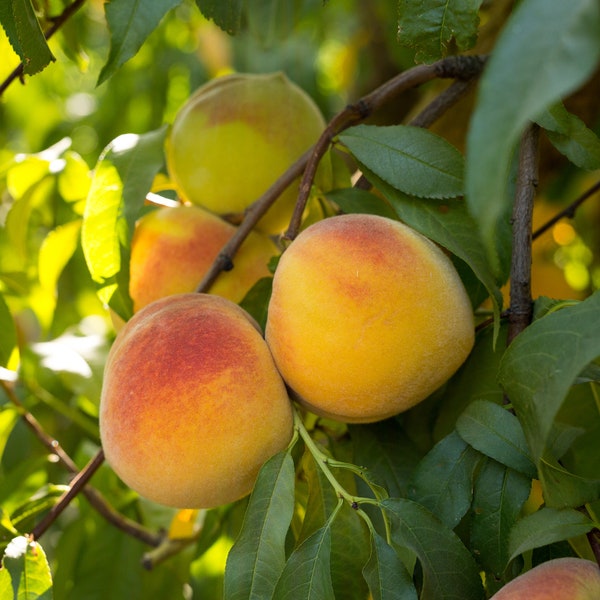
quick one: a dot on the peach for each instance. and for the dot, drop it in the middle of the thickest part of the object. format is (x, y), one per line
(567, 578)
(235, 136)
(173, 248)
(192, 404)
(367, 318)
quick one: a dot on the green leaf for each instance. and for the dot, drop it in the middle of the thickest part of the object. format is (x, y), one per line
(546, 50)
(355, 200)
(23, 30)
(227, 14)
(386, 574)
(430, 26)
(545, 526)
(256, 300)
(411, 159)
(443, 480)
(122, 178)
(307, 575)
(257, 558)
(25, 573)
(448, 224)
(537, 371)
(271, 21)
(56, 251)
(130, 23)
(498, 497)
(497, 433)
(449, 570)
(8, 339)
(571, 137)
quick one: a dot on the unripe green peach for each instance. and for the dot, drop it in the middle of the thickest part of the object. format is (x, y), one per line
(367, 318)
(192, 404)
(235, 136)
(173, 247)
(557, 579)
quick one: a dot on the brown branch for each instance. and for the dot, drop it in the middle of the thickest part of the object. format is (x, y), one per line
(57, 23)
(458, 67)
(568, 211)
(521, 304)
(462, 68)
(94, 497)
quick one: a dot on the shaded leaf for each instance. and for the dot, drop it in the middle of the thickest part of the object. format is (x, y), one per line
(25, 573)
(565, 35)
(130, 24)
(497, 433)
(256, 300)
(545, 526)
(227, 14)
(411, 159)
(449, 570)
(271, 21)
(257, 558)
(307, 575)
(537, 371)
(355, 200)
(386, 574)
(23, 30)
(498, 497)
(443, 480)
(571, 136)
(429, 26)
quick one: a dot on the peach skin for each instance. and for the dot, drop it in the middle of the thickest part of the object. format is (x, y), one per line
(558, 579)
(367, 318)
(173, 247)
(192, 404)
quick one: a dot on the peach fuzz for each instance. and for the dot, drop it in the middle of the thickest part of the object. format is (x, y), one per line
(235, 136)
(173, 247)
(192, 404)
(566, 578)
(367, 318)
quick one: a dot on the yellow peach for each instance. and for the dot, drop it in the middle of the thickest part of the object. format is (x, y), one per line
(557, 579)
(367, 318)
(192, 404)
(235, 136)
(173, 248)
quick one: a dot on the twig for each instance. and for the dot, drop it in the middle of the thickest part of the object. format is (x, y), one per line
(78, 483)
(57, 23)
(520, 273)
(568, 211)
(93, 496)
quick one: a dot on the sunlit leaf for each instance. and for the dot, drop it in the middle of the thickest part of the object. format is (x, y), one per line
(411, 159)
(257, 558)
(8, 339)
(545, 526)
(497, 433)
(130, 23)
(25, 573)
(565, 35)
(430, 26)
(449, 570)
(56, 251)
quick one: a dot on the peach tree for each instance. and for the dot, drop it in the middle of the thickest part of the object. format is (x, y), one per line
(476, 124)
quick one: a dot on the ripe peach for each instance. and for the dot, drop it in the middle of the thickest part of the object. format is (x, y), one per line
(557, 579)
(367, 318)
(173, 247)
(235, 136)
(192, 404)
